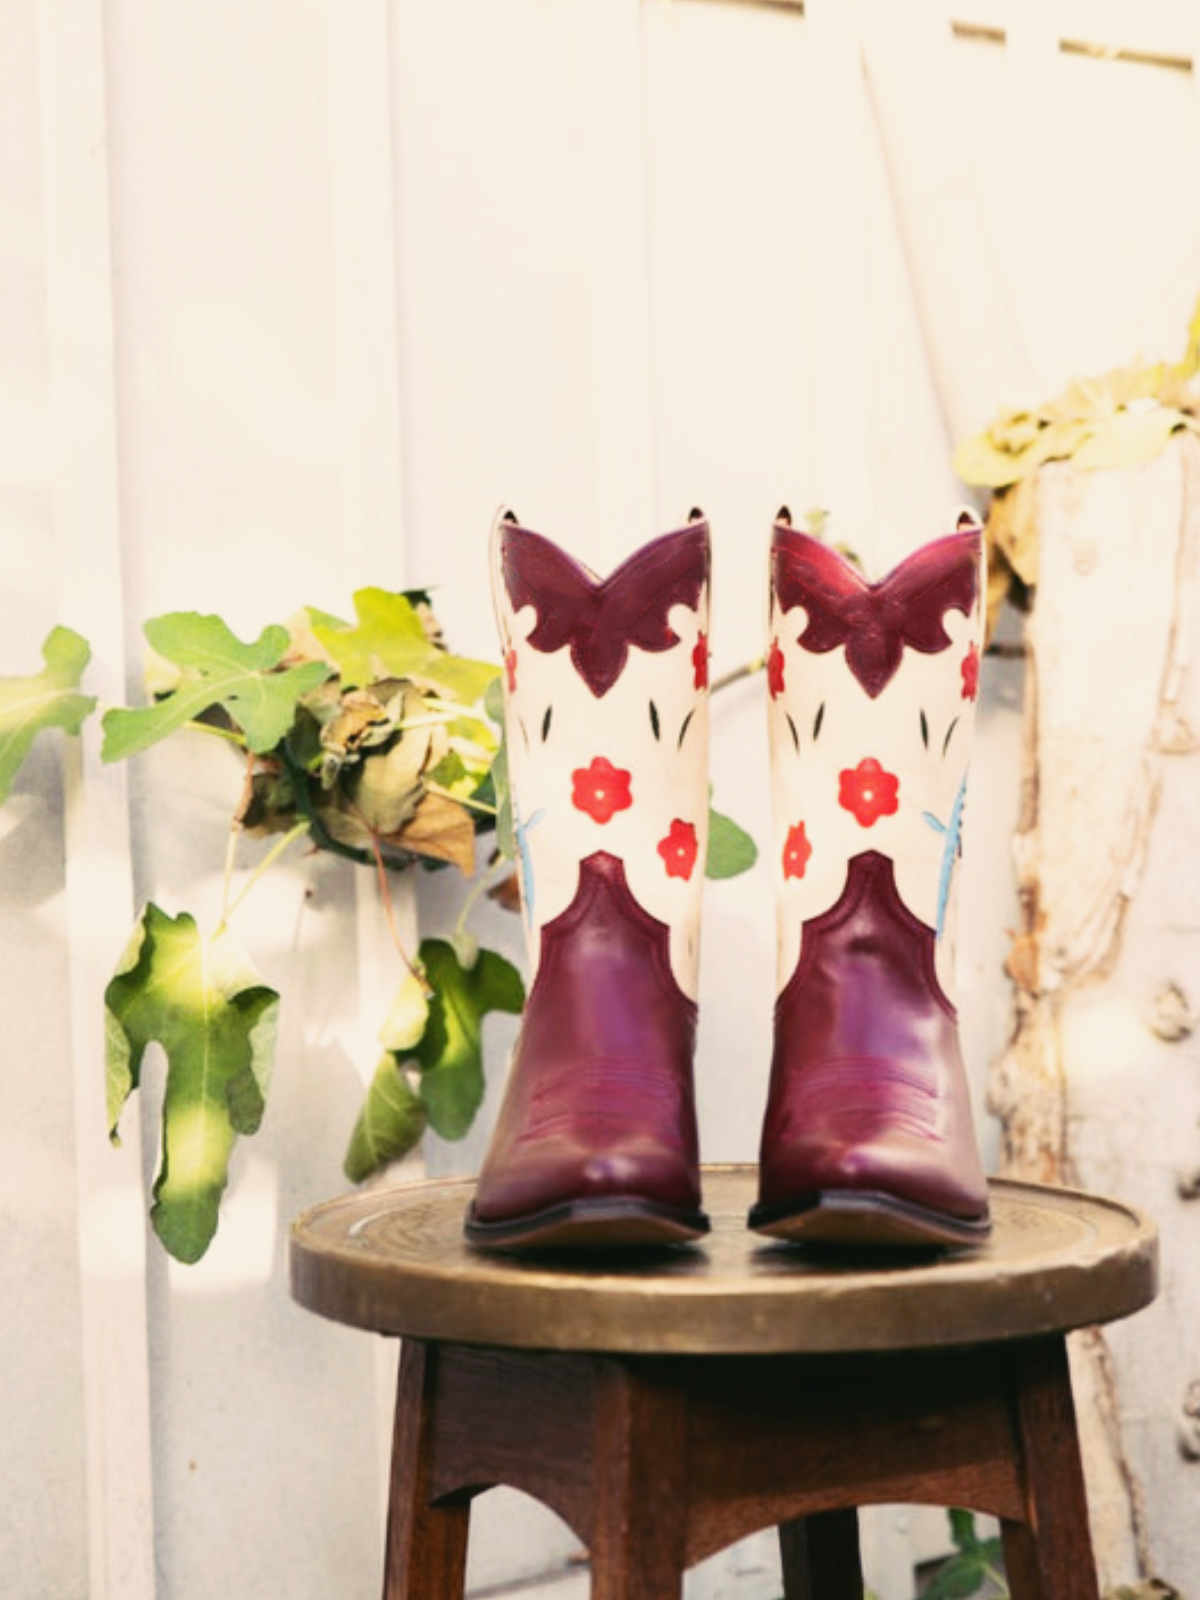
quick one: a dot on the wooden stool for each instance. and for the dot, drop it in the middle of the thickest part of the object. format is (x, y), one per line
(665, 1408)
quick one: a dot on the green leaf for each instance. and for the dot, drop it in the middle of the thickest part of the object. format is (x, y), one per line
(962, 1529)
(731, 850)
(198, 997)
(967, 1572)
(389, 640)
(506, 838)
(407, 1015)
(493, 700)
(389, 1125)
(246, 679)
(450, 773)
(47, 699)
(957, 1578)
(497, 782)
(450, 1053)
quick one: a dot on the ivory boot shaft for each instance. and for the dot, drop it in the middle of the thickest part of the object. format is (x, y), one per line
(607, 749)
(868, 1136)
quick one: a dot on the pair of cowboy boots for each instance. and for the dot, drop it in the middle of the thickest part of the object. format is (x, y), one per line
(867, 1136)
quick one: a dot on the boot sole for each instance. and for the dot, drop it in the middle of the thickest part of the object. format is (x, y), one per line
(605, 1223)
(863, 1218)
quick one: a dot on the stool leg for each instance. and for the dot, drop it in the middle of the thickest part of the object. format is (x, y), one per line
(1049, 1555)
(821, 1559)
(639, 1514)
(426, 1544)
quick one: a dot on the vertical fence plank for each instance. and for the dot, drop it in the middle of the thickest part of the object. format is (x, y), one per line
(87, 535)
(366, 282)
(967, 309)
(1033, 99)
(835, 111)
(361, 55)
(618, 251)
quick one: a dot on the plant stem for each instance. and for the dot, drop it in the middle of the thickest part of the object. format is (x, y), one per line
(480, 885)
(746, 670)
(389, 916)
(454, 708)
(230, 735)
(997, 1577)
(460, 800)
(431, 719)
(297, 831)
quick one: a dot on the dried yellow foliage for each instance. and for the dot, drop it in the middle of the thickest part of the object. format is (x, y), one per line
(1119, 420)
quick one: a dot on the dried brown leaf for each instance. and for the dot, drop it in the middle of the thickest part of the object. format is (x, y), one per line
(439, 828)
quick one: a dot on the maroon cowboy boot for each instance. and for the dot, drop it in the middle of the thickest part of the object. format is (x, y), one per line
(868, 1137)
(595, 1144)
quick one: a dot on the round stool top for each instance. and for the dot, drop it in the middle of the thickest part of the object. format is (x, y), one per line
(395, 1260)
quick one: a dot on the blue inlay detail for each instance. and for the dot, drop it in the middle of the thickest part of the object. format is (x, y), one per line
(951, 835)
(521, 834)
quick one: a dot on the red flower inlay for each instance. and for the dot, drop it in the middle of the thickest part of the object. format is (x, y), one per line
(510, 668)
(601, 789)
(700, 663)
(970, 673)
(796, 851)
(869, 792)
(775, 670)
(679, 849)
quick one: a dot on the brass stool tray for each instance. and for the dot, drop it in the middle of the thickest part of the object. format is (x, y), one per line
(394, 1260)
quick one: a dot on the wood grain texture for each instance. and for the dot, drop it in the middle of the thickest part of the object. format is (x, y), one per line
(426, 1543)
(1048, 1553)
(655, 1405)
(658, 1462)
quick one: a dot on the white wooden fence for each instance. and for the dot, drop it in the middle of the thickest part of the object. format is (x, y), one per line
(292, 293)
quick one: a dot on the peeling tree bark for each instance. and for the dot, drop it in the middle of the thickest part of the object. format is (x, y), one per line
(1100, 1086)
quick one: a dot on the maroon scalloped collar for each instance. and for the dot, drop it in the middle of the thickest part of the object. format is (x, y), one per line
(600, 618)
(875, 621)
